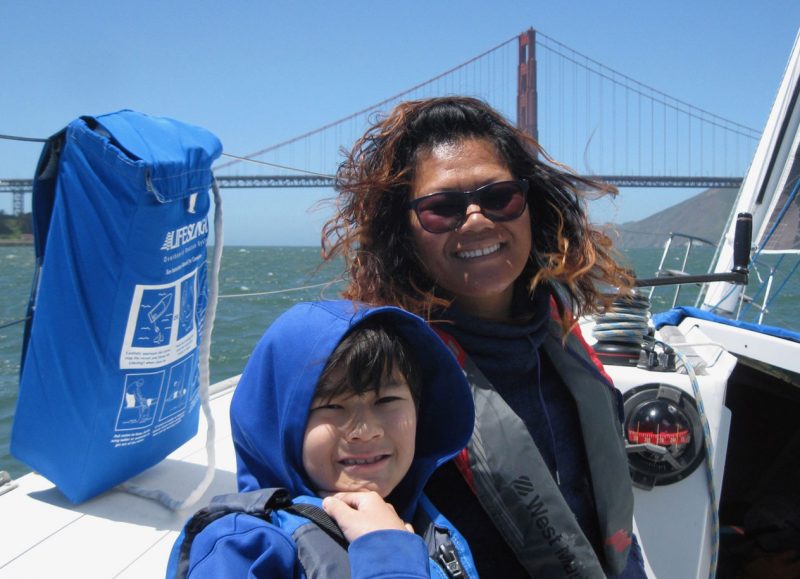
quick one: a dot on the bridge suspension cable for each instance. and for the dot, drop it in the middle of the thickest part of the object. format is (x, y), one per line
(600, 122)
(373, 107)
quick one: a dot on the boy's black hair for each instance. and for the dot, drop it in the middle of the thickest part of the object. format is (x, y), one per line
(369, 353)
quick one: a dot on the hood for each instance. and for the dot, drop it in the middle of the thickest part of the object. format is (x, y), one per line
(270, 406)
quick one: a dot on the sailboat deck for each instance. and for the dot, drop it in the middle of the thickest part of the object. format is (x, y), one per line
(115, 534)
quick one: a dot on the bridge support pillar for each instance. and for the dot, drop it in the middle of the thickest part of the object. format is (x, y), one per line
(18, 202)
(526, 85)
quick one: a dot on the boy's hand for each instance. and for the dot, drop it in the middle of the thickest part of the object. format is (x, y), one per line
(360, 513)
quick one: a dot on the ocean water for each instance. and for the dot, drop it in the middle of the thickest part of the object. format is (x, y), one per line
(257, 284)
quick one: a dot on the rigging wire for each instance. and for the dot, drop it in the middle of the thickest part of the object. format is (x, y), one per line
(762, 244)
(5, 325)
(258, 162)
(236, 157)
(28, 139)
(8, 324)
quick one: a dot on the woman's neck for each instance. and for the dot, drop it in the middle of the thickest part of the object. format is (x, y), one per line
(496, 308)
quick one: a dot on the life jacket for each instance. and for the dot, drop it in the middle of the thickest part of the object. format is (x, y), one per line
(521, 496)
(321, 546)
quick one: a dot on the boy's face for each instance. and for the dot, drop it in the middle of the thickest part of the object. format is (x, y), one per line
(359, 443)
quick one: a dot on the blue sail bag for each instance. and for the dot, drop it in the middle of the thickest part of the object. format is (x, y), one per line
(109, 379)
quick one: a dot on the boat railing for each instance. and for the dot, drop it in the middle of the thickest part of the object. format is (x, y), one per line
(766, 285)
(691, 241)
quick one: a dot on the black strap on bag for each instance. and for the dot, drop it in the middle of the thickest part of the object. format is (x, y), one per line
(261, 504)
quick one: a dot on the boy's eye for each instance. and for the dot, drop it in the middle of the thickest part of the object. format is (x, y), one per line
(328, 406)
(387, 399)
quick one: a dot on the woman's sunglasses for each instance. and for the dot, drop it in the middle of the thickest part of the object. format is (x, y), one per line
(447, 210)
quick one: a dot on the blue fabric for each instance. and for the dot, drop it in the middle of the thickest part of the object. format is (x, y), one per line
(269, 412)
(676, 315)
(241, 545)
(109, 380)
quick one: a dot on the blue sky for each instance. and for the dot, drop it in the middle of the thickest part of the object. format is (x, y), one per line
(256, 73)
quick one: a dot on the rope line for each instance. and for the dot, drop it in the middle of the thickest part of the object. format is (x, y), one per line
(709, 462)
(282, 291)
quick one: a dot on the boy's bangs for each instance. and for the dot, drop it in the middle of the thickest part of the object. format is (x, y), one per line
(365, 359)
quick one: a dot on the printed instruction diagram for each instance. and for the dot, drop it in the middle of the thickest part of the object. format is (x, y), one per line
(162, 324)
(139, 407)
(159, 354)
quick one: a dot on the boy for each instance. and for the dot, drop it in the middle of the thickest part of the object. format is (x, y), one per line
(344, 405)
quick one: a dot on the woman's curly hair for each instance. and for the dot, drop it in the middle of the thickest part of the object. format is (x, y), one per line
(371, 228)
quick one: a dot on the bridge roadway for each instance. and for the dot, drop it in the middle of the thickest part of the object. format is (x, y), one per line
(25, 186)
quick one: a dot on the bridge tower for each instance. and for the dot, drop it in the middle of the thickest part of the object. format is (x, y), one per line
(526, 84)
(18, 202)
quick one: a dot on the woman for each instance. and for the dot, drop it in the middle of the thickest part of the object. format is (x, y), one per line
(447, 210)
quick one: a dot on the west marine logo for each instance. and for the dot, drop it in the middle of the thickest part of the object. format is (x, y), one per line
(522, 485)
(184, 235)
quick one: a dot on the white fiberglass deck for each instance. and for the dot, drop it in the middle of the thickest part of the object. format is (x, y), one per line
(115, 534)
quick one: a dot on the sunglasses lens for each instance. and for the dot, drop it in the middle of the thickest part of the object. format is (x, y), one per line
(503, 201)
(446, 211)
(441, 212)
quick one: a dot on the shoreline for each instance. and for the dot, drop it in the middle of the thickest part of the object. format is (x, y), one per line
(13, 242)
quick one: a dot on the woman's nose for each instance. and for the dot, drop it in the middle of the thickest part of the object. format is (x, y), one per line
(475, 220)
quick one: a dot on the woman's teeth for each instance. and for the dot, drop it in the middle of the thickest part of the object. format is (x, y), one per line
(478, 252)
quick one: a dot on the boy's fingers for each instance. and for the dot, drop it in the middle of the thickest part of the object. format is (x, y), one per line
(359, 513)
(334, 506)
(358, 499)
(349, 499)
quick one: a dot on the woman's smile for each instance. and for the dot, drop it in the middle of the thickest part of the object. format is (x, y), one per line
(473, 253)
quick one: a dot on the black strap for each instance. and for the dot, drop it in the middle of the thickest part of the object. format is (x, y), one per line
(259, 504)
(322, 519)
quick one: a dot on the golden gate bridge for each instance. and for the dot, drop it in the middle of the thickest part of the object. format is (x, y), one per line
(596, 120)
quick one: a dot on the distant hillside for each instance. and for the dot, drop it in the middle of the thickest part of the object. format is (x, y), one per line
(704, 215)
(15, 227)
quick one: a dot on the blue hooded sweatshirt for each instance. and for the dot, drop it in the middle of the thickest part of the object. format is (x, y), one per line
(269, 412)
